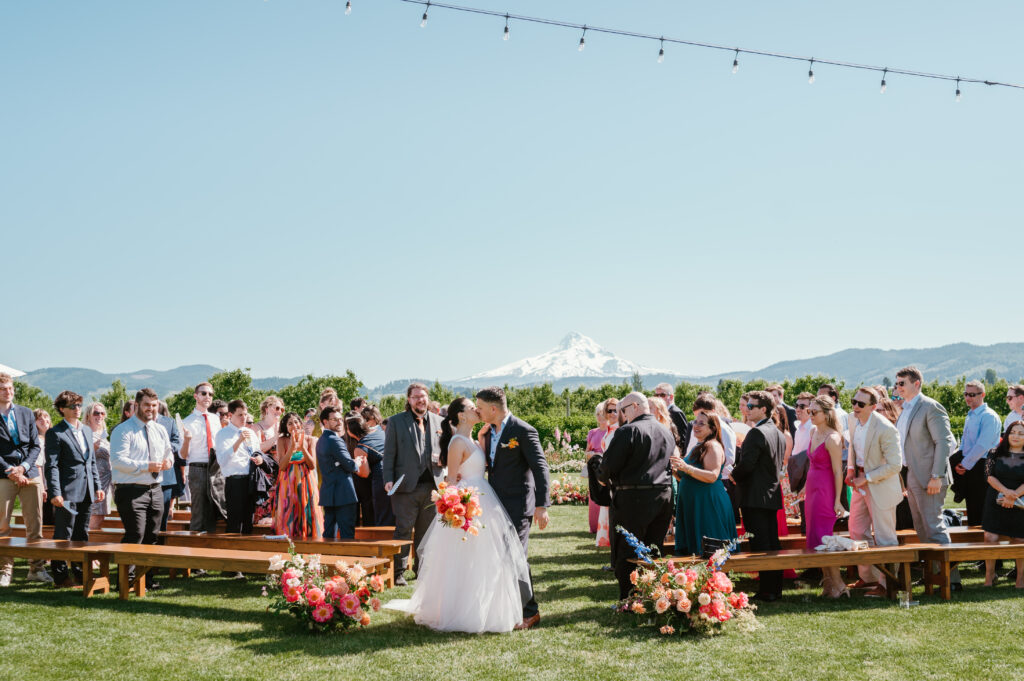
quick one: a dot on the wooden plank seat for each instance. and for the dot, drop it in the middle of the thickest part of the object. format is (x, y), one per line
(107, 534)
(375, 533)
(389, 549)
(893, 561)
(946, 556)
(113, 522)
(93, 581)
(147, 556)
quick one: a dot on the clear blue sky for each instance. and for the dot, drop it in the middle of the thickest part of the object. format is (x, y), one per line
(279, 186)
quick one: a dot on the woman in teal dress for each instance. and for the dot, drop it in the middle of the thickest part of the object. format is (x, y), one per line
(702, 505)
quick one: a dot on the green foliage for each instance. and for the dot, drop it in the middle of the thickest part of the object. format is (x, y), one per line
(391, 405)
(112, 400)
(306, 393)
(227, 385)
(34, 398)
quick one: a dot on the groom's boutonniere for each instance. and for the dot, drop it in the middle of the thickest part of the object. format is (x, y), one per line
(512, 444)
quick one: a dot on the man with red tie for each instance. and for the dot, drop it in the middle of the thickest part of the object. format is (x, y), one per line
(199, 450)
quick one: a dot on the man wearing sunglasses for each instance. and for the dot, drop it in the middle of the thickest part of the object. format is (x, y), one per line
(666, 392)
(200, 450)
(928, 443)
(981, 433)
(1015, 399)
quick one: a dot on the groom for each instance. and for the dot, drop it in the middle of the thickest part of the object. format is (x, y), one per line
(518, 472)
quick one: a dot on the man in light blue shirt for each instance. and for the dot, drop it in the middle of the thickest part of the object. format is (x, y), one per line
(981, 433)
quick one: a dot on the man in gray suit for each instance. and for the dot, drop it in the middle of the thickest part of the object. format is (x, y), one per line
(927, 445)
(412, 453)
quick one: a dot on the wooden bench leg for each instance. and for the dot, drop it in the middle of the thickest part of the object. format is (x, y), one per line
(91, 582)
(140, 581)
(906, 582)
(947, 592)
(123, 585)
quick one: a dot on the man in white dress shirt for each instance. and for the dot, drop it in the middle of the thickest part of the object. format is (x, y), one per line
(205, 484)
(1015, 399)
(237, 447)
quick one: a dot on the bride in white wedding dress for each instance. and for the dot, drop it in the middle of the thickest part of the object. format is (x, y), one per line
(469, 583)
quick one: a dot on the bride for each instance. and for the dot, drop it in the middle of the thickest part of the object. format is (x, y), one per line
(469, 583)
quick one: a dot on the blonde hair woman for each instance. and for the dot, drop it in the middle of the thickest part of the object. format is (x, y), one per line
(607, 415)
(822, 504)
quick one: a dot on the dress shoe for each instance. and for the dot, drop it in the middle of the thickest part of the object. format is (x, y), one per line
(528, 623)
(876, 592)
(400, 581)
(861, 584)
(956, 586)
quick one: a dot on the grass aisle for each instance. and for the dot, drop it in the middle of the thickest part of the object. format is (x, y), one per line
(214, 628)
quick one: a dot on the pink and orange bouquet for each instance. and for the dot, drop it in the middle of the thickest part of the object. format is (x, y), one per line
(567, 491)
(341, 596)
(676, 598)
(457, 507)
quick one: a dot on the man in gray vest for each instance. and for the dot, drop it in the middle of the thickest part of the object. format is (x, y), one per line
(412, 453)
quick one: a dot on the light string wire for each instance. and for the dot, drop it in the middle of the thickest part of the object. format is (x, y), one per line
(885, 70)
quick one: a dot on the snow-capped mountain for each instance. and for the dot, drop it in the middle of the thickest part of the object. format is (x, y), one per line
(576, 357)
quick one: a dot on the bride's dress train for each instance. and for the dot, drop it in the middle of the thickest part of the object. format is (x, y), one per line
(475, 585)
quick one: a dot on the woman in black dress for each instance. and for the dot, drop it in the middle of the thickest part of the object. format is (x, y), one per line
(1003, 519)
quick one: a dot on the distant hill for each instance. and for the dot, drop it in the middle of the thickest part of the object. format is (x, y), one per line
(90, 382)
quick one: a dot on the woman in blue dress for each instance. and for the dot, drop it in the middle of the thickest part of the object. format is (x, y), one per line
(702, 504)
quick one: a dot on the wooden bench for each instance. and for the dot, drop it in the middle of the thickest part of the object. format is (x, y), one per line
(946, 556)
(389, 549)
(883, 557)
(93, 582)
(375, 533)
(109, 534)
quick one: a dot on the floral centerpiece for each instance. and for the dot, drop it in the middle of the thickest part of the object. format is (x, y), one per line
(677, 598)
(303, 588)
(565, 490)
(457, 506)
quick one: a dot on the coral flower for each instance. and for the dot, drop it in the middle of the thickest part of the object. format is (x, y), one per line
(638, 608)
(375, 604)
(323, 612)
(667, 629)
(349, 604)
(662, 605)
(633, 577)
(365, 619)
(315, 596)
(738, 600)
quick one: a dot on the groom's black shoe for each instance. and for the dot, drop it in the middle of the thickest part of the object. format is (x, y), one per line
(529, 622)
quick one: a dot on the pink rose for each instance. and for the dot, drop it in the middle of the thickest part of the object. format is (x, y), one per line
(667, 629)
(720, 611)
(375, 604)
(661, 605)
(323, 612)
(349, 604)
(377, 583)
(315, 596)
(721, 582)
(738, 600)
(292, 594)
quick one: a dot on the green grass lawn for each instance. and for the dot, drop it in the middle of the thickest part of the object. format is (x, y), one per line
(215, 628)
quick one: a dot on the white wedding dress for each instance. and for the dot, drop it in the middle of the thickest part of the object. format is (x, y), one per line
(477, 585)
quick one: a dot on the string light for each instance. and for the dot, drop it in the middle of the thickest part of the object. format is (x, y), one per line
(710, 46)
(505, 35)
(884, 71)
(348, 7)
(661, 52)
(423, 24)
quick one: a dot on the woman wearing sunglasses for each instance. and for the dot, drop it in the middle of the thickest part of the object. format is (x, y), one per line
(607, 414)
(824, 485)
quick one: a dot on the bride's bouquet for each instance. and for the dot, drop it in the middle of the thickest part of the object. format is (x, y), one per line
(457, 506)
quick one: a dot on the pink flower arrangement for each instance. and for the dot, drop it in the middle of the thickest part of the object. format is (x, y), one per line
(567, 491)
(457, 507)
(325, 598)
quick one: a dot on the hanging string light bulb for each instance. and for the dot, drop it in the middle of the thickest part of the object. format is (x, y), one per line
(661, 51)
(958, 89)
(583, 39)
(736, 61)
(884, 71)
(810, 73)
(505, 36)
(348, 7)
(423, 23)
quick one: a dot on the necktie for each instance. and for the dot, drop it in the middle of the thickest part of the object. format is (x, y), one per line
(209, 439)
(149, 449)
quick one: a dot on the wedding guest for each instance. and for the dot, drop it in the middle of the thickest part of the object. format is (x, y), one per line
(219, 408)
(928, 443)
(271, 409)
(722, 412)
(703, 508)
(666, 392)
(237, 448)
(778, 392)
(757, 474)
(371, 447)
(140, 452)
(1003, 520)
(841, 416)
(357, 404)
(337, 493)
(890, 410)
(328, 398)
(636, 464)
(354, 430)
(249, 421)
(706, 404)
(659, 410)
(205, 483)
(1015, 399)
(19, 452)
(873, 470)
(298, 513)
(309, 422)
(412, 454)
(802, 437)
(981, 433)
(72, 481)
(607, 415)
(824, 485)
(43, 424)
(790, 504)
(127, 410)
(171, 482)
(95, 416)
(744, 413)
(434, 407)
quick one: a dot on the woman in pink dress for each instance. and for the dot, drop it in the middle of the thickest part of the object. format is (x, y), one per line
(607, 414)
(824, 485)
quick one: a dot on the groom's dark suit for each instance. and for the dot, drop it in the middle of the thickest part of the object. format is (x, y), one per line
(520, 478)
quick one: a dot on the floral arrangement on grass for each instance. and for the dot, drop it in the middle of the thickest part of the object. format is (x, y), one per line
(675, 598)
(567, 491)
(457, 506)
(301, 587)
(562, 450)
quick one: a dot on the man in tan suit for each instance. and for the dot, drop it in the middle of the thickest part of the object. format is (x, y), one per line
(873, 471)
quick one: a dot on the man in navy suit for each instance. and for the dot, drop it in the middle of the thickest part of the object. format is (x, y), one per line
(337, 492)
(19, 450)
(72, 480)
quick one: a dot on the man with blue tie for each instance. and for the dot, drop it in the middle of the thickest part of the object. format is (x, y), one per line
(72, 480)
(19, 450)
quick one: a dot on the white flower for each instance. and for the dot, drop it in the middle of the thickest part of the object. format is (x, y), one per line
(298, 560)
(703, 599)
(294, 581)
(314, 563)
(276, 563)
(341, 565)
